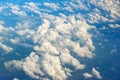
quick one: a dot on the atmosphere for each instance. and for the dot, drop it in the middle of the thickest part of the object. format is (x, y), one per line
(59, 39)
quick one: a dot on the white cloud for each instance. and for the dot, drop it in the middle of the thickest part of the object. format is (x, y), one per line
(96, 73)
(15, 41)
(24, 29)
(110, 7)
(6, 48)
(15, 9)
(47, 47)
(66, 58)
(2, 45)
(1, 26)
(55, 47)
(4, 28)
(15, 79)
(114, 25)
(57, 42)
(52, 5)
(74, 5)
(31, 6)
(29, 65)
(78, 5)
(113, 50)
(2, 7)
(1, 39)
(53, 67)
(25, 32)
(87, 75)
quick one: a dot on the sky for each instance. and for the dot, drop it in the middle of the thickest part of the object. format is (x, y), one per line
(59, 40)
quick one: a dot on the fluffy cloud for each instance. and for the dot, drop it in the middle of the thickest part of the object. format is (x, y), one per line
(2, 7)
(6, 48)
(59, 41)
(2, 45)
(15, 9)
(1, 26)
(114, 25)
(15, 79)
(52, 5)
(56, 42)
(29, 65)
(96, 73)
(15, 41)
(31, 6)
(110, 9)
(87, 75)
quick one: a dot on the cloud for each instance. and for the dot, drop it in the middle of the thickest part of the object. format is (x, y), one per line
(52, 5)
(96, 73)
(97, 16)
(2, 7)
(78, 5)
(74, 6)
(1, 39)
(15, 79)
(15, 41)
(4, 28)
(53, 67)
(114, 25)
(59, 41)
(56, 41)
(87, 75)
(109, 7)
(1, 26)
(2, 45)
(15, 9)
(29, 65)
(6, 48)
(31, 6)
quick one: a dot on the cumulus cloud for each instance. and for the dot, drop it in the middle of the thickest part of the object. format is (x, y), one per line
(87, 75)
(29, 65)
(6, 48)
(59, 41)
(15, 9)
(114, 25)
(1, 26)
(78, 5)
(4, 28)
(2, 7)
(2, 45)
(56, 42)
(31, 6)
(96, 73)
(15, 41)
(1, 39)
(52, 5)
(109, 7)
(15, 79)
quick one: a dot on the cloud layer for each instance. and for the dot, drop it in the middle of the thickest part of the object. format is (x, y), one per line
(58, 33)
(57, 43)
